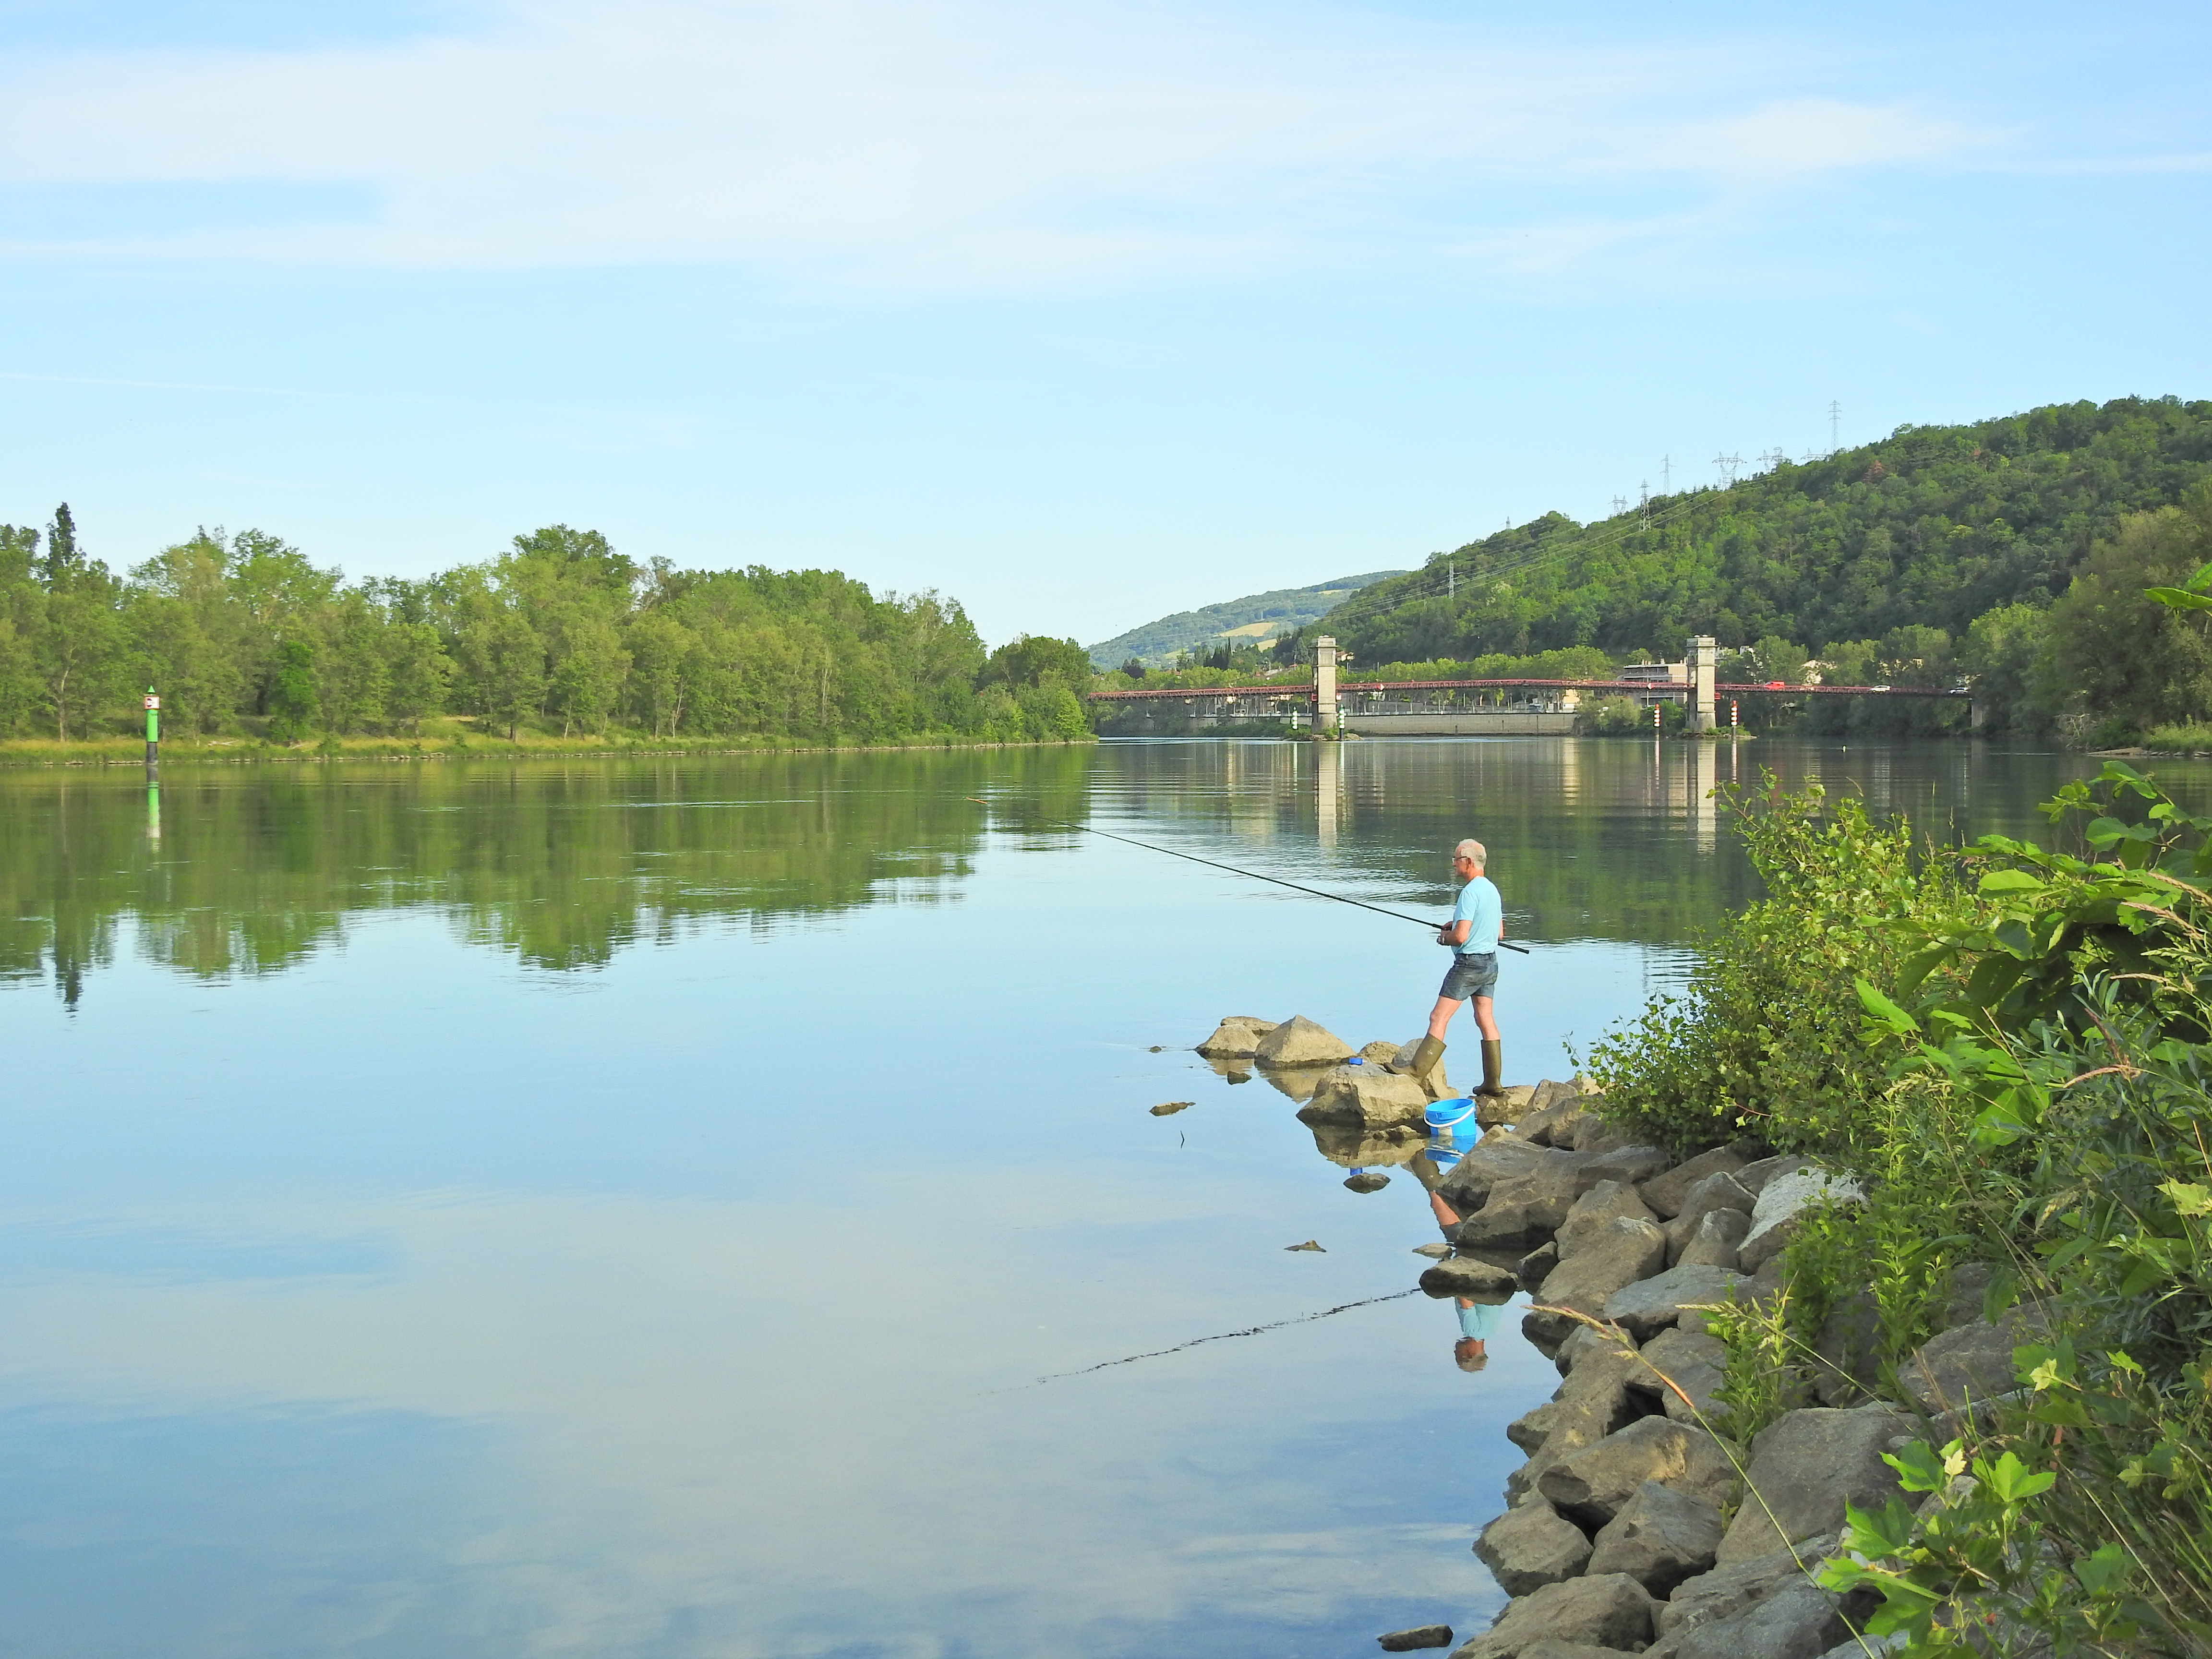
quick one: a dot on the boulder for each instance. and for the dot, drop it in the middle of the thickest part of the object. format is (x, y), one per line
(1555, 1113)
(1379, 1053)
(1536, 1266)
(1298, 1041)
(1695, 1364)
(1782, 1203)
(1594, 1134)
(1665, 1193)
(1718, 1191)
(1660, 1537)
(1497, 1158)
(1432, 1081)
(1848, 1344)
(1727, 1590)
(1470, 1277)
(1964, 1367)
(1630, 1163)
(1754, 1176)
(1232, 1071)
(1366, 1180)
(1611, 1612)
(1630, 1248)
(1650, 1305)
(1421, 1636)
(1528, 1547)
(1236, 1037)
(1590, 1346)
(1604, 1203)
(1804, 1468)
(1798, 1621)
(1366, 1098)
(1504, 1108)
(1588, 1406)
(1550, 1648)
(1966, 1292)
(1714, 1243)
(1591, 1485)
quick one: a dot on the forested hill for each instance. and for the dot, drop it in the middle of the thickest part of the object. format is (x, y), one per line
(1257, 617)
(1930, 528)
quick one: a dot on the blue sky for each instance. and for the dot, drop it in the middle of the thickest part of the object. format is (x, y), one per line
(1080, 313)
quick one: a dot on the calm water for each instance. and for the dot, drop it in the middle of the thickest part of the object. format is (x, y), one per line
(627, 1208)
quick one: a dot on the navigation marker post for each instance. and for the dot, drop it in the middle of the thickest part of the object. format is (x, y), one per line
(152, 729)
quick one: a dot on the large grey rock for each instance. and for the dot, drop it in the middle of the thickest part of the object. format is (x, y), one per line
(1781, 1206)
(1471, 1277)
(1727, 1590)
(1630, 1248)
(1716, 1243)
(1555, 1112)
(1649, 1306)
(1797, 1622)
(1718, 1191)
(1551, 1647)
(1606, 1202)
(1528, 1547)
(1805, 1469)
(1596, 1347)
(1497, 1156)
(1365, 1097)
(1660, 1537)
(1298, 1041)
(1433, 1082)
(1590, 1486)
(1498, 1110)
(1965, 1366)
(1848, 1344)
(1755, 1175)
(1629, 1162)
(1411, 1641)
(1666, 1192)
(1237, 1038)
(1536, 1266)
(1694, 1363)
(1592, 1403)
(1611, 1612)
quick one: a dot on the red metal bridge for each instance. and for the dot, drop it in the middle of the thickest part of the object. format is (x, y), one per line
(1672, 689)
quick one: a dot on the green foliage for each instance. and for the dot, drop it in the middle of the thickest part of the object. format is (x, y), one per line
(1700, 1070)
(1762, 1380)
(1969, 1574)
(291, 700)
(2133, 660)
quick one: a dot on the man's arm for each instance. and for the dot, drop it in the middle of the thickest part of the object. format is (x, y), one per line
(1455, 933)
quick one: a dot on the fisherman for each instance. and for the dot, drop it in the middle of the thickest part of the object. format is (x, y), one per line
(1477, 926)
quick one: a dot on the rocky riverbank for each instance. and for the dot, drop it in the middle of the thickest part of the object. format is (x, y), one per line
(1638, 1524)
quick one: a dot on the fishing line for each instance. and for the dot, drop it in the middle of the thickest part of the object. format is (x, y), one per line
(1225, 1336)
(1211, 864)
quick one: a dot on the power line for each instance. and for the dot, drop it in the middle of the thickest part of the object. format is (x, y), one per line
(1835, 425)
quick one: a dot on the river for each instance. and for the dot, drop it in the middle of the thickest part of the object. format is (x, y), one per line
(674, 1206)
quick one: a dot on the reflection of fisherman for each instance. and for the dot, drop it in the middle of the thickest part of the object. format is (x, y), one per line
(1478, 924)
(1478, 1321)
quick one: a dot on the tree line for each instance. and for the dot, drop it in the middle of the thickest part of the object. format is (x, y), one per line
(244, 634)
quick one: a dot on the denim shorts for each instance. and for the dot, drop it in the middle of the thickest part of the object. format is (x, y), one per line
(1473, 974)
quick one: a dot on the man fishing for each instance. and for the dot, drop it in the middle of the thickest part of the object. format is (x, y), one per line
(1473, 934)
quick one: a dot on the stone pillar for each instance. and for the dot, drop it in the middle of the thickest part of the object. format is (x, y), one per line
(1328, 716)
(1705, 661)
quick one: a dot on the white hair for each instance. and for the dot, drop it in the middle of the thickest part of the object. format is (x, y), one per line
(1472, 850)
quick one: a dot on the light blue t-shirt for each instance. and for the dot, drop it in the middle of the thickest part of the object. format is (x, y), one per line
(1480, 1320)
(1479, 903)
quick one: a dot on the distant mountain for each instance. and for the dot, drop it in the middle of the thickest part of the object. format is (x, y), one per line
(1257, 617)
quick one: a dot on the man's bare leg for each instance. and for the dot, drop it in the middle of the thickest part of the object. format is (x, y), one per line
(1440, 1016)
(1483, 1022)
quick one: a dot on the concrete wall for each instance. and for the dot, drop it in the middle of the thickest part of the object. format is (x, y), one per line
(1460, 723)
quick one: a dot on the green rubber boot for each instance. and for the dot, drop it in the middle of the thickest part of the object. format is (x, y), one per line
(1493, 1069)
(1427, 1053)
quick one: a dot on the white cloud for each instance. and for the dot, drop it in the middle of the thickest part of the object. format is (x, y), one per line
(959, 142)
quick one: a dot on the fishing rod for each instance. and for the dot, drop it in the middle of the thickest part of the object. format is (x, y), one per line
(1294, 886)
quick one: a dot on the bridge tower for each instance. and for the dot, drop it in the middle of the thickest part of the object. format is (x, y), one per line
(1328, 715)
(1704, 662)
